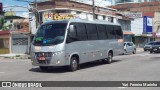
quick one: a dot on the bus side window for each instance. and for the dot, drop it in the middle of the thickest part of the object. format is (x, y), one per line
(110, 31)
(81, 31)
(92, 32)
(72, 36)
(102, 32)
(118, 31)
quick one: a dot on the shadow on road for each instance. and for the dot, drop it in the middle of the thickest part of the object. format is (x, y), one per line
(50, 70)
(64, 69)
(95, 64)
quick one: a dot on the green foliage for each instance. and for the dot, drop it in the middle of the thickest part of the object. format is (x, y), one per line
(5, 28)
(1, 22)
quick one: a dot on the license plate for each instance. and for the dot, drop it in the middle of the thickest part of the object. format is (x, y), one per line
(41, 58)
(154, 49)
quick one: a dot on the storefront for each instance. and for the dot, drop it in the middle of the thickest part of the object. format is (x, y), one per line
(128, 36)
(141, 40)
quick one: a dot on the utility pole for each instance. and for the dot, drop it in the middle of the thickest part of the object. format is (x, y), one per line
(36, 4)
(36, 14)
(93, 9)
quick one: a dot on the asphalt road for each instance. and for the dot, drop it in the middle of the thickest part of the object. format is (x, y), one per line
(132, 67)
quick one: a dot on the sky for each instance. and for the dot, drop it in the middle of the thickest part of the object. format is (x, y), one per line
(22, 10)
(19, 10)
(97, 2)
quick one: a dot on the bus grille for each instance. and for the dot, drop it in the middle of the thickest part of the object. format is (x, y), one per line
(47, 56)
(44, 54)
(44, 62)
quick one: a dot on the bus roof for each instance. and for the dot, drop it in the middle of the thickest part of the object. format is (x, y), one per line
(82, 21)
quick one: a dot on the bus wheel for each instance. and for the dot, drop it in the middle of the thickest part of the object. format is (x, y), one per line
(43, 68)
(108, 60)
(73, 64)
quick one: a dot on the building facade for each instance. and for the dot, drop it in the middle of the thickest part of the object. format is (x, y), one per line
(14, 38)
(145, 25)
(66, 9)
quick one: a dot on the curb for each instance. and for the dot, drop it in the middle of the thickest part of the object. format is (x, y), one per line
(17, 57)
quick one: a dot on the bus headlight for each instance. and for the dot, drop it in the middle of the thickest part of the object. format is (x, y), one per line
(57, 53)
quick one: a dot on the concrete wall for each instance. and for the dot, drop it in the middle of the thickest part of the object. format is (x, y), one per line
(137, 26)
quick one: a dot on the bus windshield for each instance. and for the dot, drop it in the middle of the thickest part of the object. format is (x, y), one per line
(50, 34)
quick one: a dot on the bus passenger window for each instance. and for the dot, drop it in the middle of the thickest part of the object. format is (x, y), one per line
(71, 37)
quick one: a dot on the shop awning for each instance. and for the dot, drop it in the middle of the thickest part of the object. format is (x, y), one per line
(128, 33)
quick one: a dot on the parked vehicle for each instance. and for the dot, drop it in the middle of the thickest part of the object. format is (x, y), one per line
(148, 46)
(129, 47)
(72, 42)
(155, 47)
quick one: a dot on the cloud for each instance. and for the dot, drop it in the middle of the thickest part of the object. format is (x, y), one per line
(23, 14)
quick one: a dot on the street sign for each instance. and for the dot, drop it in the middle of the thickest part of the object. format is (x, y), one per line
(147, 24)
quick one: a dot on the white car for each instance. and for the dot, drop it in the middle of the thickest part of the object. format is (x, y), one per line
(129, 47)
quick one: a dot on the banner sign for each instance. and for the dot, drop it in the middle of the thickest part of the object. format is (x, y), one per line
(40, 84)
(56, 16)
(131, 14)
(147, 24)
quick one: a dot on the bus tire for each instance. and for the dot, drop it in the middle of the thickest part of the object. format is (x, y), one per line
(73, 64)
(43, 68)
(108, 60)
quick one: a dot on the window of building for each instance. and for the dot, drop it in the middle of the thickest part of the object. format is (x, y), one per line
(21, 27)
(11, 21)
(18, 26)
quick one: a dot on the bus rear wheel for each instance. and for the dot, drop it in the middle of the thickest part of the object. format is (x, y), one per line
(73, 64)
(108, 60)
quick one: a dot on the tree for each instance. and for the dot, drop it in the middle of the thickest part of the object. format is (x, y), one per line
(1, 22)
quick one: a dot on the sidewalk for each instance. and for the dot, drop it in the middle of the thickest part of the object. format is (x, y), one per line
(15, 56)
(139, 49)
(25, 56)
